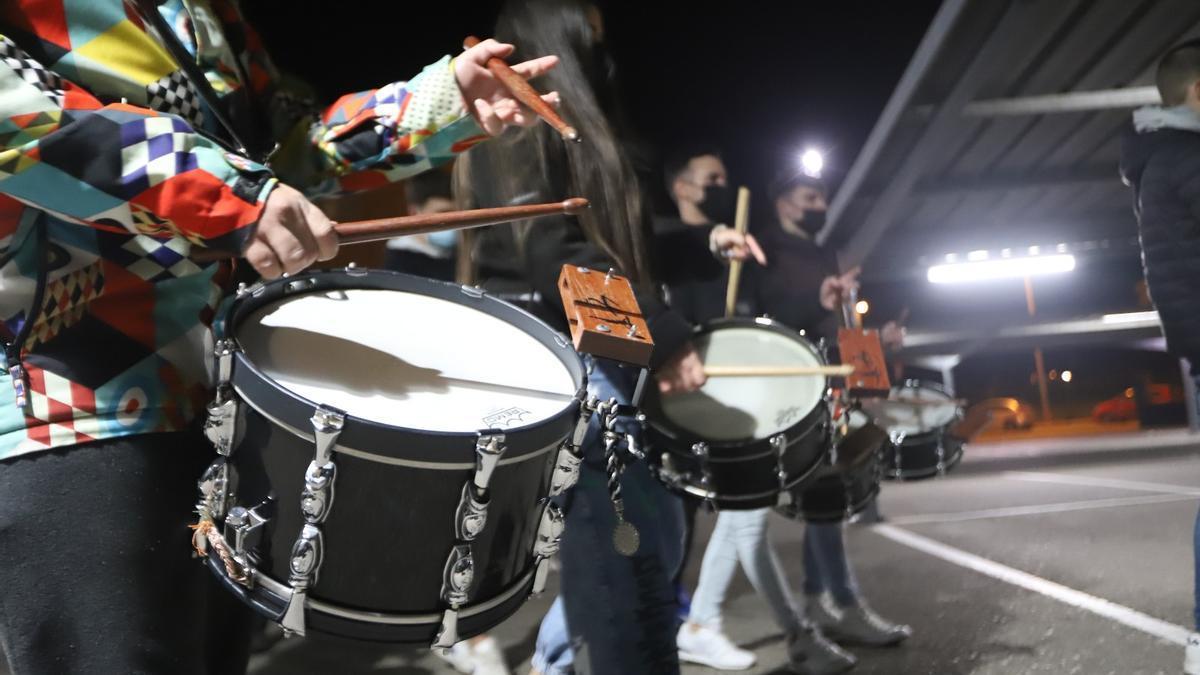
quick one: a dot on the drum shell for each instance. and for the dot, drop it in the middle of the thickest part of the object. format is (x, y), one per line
(917, 457)
(390, 528)
(740, 477)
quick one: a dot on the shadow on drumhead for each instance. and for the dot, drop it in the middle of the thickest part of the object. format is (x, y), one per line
(709, 418)
(319, 359)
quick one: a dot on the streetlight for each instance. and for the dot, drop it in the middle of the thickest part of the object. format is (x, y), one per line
(812, 163)
(1067, 376)
(862, 307)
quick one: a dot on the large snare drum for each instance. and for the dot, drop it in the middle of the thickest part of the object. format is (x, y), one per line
(918, 417)
(739, 442)
(387, 446)
(848, 482)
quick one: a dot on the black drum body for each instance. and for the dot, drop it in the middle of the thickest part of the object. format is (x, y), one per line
(742, 470)
(919, 416)
(925, 456)
(845, 485)
(340, 524)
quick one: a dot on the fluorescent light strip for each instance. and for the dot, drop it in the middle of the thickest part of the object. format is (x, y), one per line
(1004, 268)
(1129, 317)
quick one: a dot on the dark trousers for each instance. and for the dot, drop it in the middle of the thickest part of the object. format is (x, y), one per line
(96, 573)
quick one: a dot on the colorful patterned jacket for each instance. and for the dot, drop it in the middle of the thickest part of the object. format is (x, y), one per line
(106, 182)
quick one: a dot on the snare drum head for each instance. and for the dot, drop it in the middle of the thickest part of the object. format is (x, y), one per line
(407, 360)
(739, 408)
(914, 409)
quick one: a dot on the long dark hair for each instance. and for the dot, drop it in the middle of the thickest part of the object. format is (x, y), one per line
(599, 168)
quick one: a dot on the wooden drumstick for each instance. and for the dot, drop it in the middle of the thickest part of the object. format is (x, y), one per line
(741, 223)
(361, 231)
(777, 371)
(526, 94)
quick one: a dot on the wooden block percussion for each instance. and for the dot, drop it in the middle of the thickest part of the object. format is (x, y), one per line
(604, 316)
(863, 350)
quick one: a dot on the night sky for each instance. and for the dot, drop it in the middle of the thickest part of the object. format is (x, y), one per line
(758, 79)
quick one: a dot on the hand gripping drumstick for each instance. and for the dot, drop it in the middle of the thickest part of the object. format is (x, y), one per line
(361, 231)
(527, 95)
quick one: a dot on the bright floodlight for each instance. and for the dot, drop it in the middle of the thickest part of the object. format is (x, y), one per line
(862, 307)
(1067, 376)
(812, 162)
(1004, 268)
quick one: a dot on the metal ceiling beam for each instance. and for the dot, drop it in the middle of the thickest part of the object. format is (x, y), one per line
(1054, 104)
(1070, 102)
(992, 58)
(1006, 181)
(893, 113)
(1076, 332)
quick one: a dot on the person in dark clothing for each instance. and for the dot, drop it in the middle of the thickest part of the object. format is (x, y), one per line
(687, 242)
(1160, 160)
(616, 614)
(426, 255)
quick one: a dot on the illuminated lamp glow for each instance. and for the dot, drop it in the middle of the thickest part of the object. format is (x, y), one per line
(1004, 268)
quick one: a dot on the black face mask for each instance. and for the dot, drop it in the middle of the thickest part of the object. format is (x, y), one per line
(813, 221)
(719, 204)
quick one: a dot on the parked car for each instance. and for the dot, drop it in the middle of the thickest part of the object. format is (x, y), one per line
(1116, 409)
(1006, 411)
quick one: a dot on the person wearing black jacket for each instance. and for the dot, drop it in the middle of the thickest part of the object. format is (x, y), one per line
(619, 611)
(688, 243)
(1160, 160)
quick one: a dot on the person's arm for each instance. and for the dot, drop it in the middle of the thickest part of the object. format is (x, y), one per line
(121, 167)
(371, 138)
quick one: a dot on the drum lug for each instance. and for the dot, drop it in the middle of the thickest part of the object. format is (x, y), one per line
(327, 425)
(566, 469)
(457, 580)
(779, 444)
(307, 555)
(546, 543)
(220, 426)
(224, 351)
(472, 291)
(217, 487)
(586, 409)
(471, 517)
(488, 450)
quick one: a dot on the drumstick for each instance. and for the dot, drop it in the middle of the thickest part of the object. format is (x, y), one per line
(527, 95)
(777, 371)
(360, 231)
(741, 223)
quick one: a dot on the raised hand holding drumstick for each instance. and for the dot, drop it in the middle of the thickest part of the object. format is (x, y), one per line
(493, 101)
(835, 288)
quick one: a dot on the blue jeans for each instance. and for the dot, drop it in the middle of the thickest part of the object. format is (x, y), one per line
(741, 537)
(1196, 562)
(618, 612)
(826, 567)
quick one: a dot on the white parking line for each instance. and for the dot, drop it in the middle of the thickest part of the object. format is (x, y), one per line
(1067, 479)
(1110, 610)
(1037, 509)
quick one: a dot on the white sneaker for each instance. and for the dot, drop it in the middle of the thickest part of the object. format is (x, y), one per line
(480, 657)
(709, 647)
(1191, 657)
